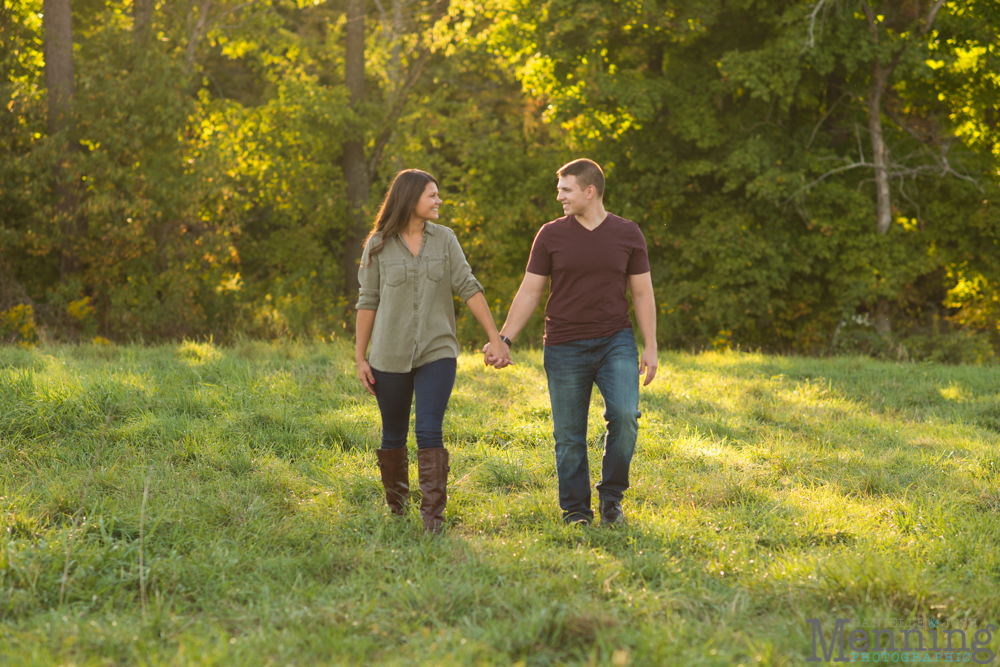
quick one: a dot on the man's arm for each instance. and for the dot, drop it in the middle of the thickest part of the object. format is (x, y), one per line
(529, 294)
(641, 286)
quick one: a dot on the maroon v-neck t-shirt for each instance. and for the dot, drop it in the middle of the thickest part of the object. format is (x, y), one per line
(589, 270)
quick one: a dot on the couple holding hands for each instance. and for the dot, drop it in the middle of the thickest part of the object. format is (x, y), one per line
(410, 270)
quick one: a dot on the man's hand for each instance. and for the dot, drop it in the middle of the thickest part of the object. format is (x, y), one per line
(647, 365)
(496, 355)
(366, 376)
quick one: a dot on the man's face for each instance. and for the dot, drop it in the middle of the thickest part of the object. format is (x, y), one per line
(573, 199)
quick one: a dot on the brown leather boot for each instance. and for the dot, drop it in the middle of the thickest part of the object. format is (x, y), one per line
(432, 464)
(395, 467)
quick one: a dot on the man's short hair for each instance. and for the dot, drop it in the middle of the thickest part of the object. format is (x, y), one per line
(587, 173)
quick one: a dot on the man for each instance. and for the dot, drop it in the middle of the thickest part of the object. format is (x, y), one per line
(591, 257)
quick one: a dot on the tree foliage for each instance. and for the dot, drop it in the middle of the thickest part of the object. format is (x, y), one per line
(737, 134)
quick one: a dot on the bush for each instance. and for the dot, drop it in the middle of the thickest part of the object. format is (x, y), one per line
(17, 325)
(962, 346)
(958, 347)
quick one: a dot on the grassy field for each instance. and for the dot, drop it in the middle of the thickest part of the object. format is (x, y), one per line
(195, 505)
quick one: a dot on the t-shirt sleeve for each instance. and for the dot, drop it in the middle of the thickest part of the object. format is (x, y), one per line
(540, 261)
(638, 261)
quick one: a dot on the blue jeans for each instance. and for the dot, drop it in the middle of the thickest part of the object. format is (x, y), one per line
(572, 369)
(432, 384)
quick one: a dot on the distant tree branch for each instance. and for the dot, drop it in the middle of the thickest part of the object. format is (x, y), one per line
(230, 11)
(198, 31)
(416, 70)
(931, 15)
(896, 169)
(203, 25)
(814, 182)
(385, 21)
(823, 119)
(872, 23)
(813, 16)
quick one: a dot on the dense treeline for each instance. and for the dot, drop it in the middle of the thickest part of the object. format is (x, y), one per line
(810, 176)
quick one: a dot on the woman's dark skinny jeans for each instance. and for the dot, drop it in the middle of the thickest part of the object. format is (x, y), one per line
(432, 383)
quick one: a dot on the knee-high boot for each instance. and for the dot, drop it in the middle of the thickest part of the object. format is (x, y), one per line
(432, 464)
(394, 465)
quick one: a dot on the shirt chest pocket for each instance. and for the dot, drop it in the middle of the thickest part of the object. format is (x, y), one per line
(434, 268)
(395, 274)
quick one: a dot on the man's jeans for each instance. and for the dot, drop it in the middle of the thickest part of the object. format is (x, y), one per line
(572, 369)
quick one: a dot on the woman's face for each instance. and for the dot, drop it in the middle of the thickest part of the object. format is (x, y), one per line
(427, 206)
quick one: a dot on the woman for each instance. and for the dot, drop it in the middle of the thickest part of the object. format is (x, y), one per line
(410, 270)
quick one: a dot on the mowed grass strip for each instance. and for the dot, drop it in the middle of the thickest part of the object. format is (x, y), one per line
(194, 505)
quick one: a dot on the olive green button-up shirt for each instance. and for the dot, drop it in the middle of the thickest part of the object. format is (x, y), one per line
(413, 298)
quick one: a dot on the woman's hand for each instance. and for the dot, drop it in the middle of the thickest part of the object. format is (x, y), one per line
(496, 354)
(366, 376)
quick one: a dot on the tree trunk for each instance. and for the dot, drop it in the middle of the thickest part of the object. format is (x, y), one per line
(354, 166)
(57, 26)
(198, 32)
(395, 70)
(880, 79)
(880, 158)
(883, 321)
(883, 196)
(396, 83)
(142, 21)
(882, 193)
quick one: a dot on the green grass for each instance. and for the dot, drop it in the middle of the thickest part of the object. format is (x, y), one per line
(194, 505)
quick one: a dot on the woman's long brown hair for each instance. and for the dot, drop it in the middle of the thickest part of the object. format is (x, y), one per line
(398, 205)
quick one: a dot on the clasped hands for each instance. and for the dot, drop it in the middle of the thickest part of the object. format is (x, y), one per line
(496, 354)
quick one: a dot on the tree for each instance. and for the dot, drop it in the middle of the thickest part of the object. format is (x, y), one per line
(359, 170)
(899, 30)
(58, 30)
(712, 118)
(356, 170)
(227, 169)
(142, 20)
(881, 73)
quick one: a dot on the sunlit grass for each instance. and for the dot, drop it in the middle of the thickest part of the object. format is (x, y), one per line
(192, 504)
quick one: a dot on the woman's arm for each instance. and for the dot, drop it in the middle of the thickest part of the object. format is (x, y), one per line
(362, 336)
(477, 304)
(469, 290)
